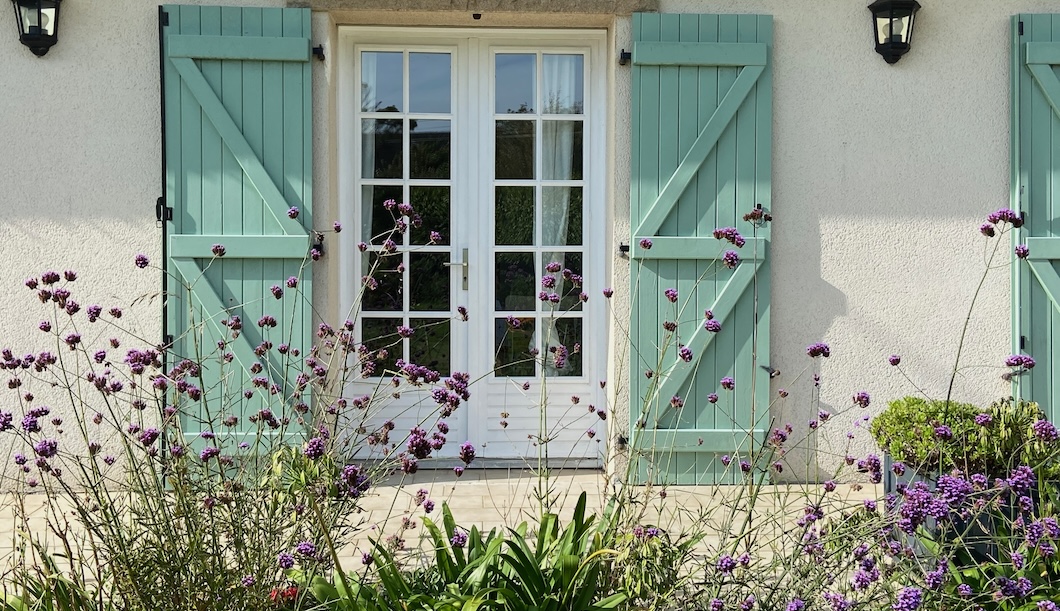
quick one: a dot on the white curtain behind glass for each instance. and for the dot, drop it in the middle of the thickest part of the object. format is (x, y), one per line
(557, 157)
(369, 70)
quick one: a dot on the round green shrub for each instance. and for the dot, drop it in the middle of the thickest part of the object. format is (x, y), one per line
(1002, 438)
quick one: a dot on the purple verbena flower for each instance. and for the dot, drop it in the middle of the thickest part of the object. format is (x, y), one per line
(1022, 251)
(730, 259)
(1045, 431)
(818, 349)
(141, 261)
(728, 383)
(894, 360)
(861, 398)
(909, 599)
(467, 452)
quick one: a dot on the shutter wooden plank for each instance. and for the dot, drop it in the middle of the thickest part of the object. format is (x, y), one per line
(698, 54)
(251, 48)
(693, 440)
(1047, 53)
(240, 246)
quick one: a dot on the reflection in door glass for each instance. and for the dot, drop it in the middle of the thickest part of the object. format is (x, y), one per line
(429, 82)
(432, 204)
(563, 338)
(429, 344)
(515, 345)
(376, 221)
(428, 281)
(381, 148)
(513, 219)
(429, 144)
(516, 77)
(381, 338)
(514, 149)
(381, 80)
(516, 283)
(383, 285)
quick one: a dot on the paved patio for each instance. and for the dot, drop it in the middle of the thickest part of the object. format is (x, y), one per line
(505, 497)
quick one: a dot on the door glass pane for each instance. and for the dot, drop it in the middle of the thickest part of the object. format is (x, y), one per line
(381, 148)
(514, 342)
(432, 204)
(568, 278)
(563, 84)
(383, 282)
(513, 219)
(381, 337)
(565, 332)
(429, 345)
(429, 143)
(516, 76)
(515, 149)
(561, 216)
(381, 78)
(561, 150)
(516, 282)
(429, 82)
(377, 222)
(428, 281)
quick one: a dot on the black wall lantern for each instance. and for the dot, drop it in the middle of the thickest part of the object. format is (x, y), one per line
(38, 24)
(892, 26)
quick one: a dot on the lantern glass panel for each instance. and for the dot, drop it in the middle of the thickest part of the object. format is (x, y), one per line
(37, 18)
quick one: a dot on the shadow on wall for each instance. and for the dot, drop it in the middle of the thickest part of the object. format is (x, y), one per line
(803, 309)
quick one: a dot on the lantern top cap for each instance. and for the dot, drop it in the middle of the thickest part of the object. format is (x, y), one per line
(904, 6)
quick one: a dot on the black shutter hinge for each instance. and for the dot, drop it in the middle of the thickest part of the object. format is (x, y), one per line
(318, 52)
(162, 211)
(624, 57)
(167, 342)
(163, 17)
(1021, 28)
(1023, 342)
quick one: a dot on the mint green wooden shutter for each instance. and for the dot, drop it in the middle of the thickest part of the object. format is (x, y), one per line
(1037, 160)
(238, 155)
(702, 132)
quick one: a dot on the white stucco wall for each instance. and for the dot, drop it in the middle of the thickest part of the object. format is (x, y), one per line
(881, 175)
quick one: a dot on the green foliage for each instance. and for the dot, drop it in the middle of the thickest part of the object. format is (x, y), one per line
(906, 431)
(555, 569)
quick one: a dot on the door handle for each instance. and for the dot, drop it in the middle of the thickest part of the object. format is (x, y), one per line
(462, 264)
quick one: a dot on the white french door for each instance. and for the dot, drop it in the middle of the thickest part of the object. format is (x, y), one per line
(496, 141)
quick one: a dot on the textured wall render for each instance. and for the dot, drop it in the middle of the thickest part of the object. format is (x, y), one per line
(881, 175)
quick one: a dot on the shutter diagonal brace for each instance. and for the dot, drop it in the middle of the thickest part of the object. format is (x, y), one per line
(723, 306)
(698, 152)
(214, 109)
